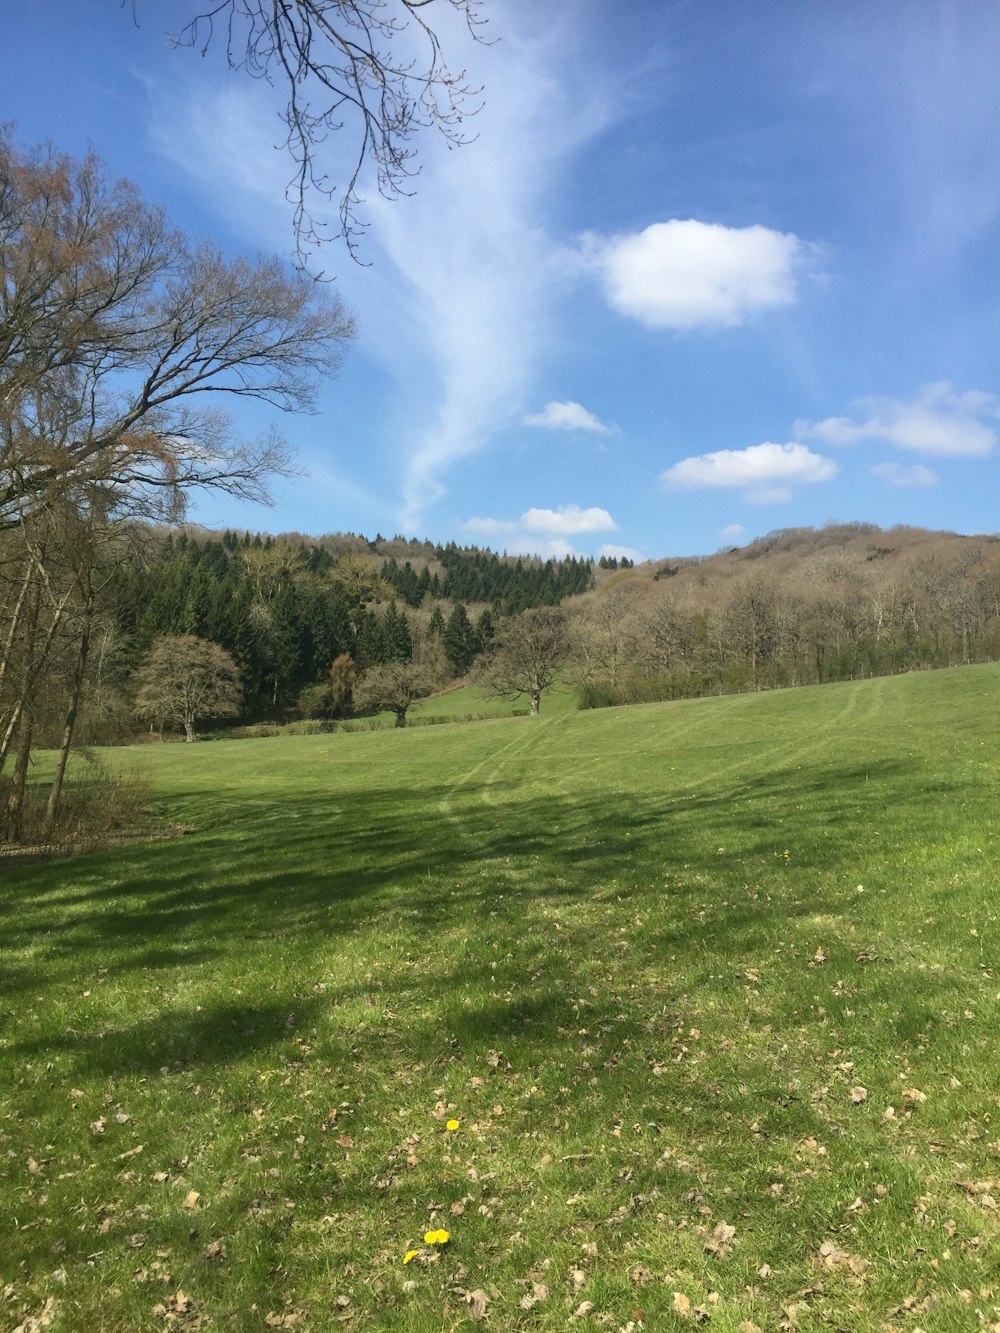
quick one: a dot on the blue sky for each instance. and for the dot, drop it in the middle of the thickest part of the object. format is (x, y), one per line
(709, 268)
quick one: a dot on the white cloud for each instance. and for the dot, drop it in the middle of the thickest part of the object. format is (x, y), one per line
(566, 416)
(732, 532)
(764, 472)
(895, 474)
(544, 531)
(938, 420)
(568, 519)
(698, 275)
(490, 527)
(622, 553)
(556, 547)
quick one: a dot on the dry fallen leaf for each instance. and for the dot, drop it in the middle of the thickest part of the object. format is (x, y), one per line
(832, 1256)
(682, 1305)
(478, 1303)
(46, 1317)
(538, 1293)
(720, 1239)
(583, 1309)
(191, 1200)
(859, 1095)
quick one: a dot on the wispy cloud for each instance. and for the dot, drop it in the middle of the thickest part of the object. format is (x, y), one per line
(566, 416)
(897, 475)
(765, 473)
(456, 301)
(685, 274)
(469, 253)
(938, 420)
(221, 134)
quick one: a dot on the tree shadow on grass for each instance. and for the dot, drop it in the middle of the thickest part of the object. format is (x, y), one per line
(420, 860)
(395, 849)
(176, 1039)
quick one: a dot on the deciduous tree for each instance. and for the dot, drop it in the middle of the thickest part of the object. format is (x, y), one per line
(116, 336)
(392, 686)
(185, 680)
(530, 651)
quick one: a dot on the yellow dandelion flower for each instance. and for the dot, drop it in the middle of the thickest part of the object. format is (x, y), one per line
(436, 1237)
(410, 1255)
(452, 1124)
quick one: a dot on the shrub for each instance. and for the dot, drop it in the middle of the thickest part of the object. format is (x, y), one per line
(97, 809)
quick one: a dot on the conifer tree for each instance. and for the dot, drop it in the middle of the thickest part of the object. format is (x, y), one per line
(460, 640)
(397, 641)
(369, 645)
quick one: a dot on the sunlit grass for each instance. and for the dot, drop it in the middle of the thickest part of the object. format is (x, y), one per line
(669, 967)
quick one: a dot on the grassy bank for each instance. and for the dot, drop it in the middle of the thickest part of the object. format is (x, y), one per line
(708, 986)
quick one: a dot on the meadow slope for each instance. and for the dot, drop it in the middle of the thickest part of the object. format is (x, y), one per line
(709, 988)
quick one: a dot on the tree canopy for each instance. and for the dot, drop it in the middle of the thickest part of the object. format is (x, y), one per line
(186, 680)
(529, 652)
(118, 339)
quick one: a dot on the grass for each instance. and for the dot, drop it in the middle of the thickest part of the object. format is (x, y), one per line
(473, 700)
(709, 987)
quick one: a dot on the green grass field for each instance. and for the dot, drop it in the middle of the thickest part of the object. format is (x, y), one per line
(710, 988)
(473, 699)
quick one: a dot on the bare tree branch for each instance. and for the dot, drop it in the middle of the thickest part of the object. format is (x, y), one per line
(345, 66)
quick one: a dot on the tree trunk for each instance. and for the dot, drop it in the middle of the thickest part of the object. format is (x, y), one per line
(72, 711)
(28, 648)
(400, 718)
(35, 661)
(15, 804)
(189, 729)
(536, 702)
(15, 621)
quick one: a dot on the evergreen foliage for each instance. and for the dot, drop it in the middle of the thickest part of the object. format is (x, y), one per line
(460, 642)
(483, 576)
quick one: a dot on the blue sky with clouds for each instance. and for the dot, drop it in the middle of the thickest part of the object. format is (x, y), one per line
(709, 268)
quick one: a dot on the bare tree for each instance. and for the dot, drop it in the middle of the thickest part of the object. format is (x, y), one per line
(116, 335)
(392, 686)
(607, 639)
(529, 652)
(185, 680)
(346, 63)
